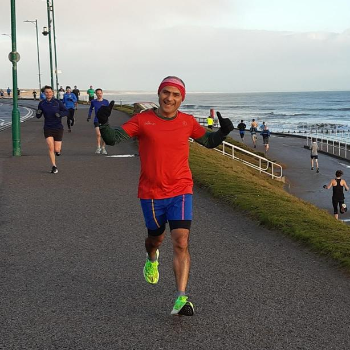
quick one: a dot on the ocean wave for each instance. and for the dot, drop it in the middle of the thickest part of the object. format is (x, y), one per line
(287, 115)
(343, 109)
(193, 106)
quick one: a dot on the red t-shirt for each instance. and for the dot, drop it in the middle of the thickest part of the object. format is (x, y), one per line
(164, 151)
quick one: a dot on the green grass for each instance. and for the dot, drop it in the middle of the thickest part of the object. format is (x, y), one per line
(266, 201)
(124, 108)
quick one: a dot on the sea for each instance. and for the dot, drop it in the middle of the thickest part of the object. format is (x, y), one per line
(281, 111)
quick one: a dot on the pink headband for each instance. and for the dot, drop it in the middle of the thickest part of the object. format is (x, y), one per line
(176, 82)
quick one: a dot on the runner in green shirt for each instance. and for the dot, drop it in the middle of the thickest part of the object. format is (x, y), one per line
(91, 93)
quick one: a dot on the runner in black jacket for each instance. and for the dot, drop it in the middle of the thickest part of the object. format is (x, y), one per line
(53, 111)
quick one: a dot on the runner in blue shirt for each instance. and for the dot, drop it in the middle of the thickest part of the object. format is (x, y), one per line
(70, 101)
(42, 95)
(96, 104)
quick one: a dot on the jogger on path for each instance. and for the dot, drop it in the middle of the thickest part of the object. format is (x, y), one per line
(338, 198)
(53, 111)
(314, 155)
(97, 104)
(70, 101)
(166, 186)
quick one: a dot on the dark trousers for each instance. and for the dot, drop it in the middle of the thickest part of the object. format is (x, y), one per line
(70, 117)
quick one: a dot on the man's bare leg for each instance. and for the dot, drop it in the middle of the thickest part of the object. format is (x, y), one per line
(98, 137)
(51, 145)
(152, 243)
(182, 259)
(58, 146)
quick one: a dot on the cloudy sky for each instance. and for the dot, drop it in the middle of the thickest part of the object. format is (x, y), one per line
(219, 46)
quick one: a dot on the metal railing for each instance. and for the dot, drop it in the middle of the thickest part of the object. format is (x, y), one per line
(332, 134)
(337, 147)
(259, 163)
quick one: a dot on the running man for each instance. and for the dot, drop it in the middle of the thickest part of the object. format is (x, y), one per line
(165, 186)
(53, 111)
(76, 92)
(338, 193)
(241, 127)
(34, 95)
(262, 126)
(91, 93)
(70, 101)
(97, 104)
(266, 137)
(314, 155)
(8, 92)
(253, 131)
(61, 94)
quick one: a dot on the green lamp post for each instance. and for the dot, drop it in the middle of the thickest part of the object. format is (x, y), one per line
(14, 58)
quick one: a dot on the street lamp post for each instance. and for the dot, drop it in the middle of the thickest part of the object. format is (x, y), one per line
(14, 58)
(47, 31)
(54, 44)
(37, 46)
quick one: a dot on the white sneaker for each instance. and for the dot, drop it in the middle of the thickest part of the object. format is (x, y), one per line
(98, 150)
(103, 151)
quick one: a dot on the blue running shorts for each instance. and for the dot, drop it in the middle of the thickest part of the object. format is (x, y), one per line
(175, 210)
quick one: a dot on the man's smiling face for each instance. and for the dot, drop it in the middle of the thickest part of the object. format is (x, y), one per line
(169, 101)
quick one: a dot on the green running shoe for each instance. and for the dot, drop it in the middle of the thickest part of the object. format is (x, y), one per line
(150, 270)
(183, 307)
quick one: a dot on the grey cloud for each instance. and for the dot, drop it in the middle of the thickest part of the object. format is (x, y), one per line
(132, 47)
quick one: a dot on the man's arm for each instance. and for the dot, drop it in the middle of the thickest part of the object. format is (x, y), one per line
(39, 111)
(211, 139)
(327, 187)
(63, 110)
(75, 100)
(345, 185)
(214, 139)
(112, 136)
(90, 111)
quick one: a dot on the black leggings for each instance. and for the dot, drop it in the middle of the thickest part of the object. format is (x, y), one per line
(335, 203)
(70, 117)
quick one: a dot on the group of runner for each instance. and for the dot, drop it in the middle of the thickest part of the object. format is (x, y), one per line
(8, 92)
(54, 110)
(264, 132)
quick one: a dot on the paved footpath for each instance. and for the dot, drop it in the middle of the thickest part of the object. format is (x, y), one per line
(71, 250)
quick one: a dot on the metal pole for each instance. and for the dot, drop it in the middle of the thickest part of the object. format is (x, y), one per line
(37, 46)
(50, 47)
(37, 49)
(54, 44)
(14, 58)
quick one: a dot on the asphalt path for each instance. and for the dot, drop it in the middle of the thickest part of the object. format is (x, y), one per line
(72, 253)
